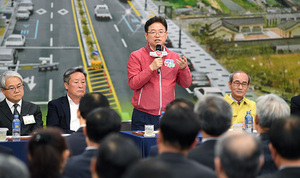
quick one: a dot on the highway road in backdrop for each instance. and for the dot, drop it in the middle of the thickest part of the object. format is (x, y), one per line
(51, 31)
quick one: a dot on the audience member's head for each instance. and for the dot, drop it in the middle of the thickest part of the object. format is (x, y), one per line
(178, 128)
(181, 102)
(149, 168)
(11, 84)
(75, 82)
(285, 141)
(114, 156)
(48, 152)
(214, 114)
(11, 167)
(269, 108)
(91, 101)
(238, 154)
(101, 122)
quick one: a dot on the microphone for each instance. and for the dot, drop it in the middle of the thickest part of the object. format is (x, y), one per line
(158, 48)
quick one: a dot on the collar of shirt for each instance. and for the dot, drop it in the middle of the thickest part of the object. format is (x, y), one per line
(91, 148)
(235, 99)
(284, 167)
(11, 106)
(70, 100)
(209, 138)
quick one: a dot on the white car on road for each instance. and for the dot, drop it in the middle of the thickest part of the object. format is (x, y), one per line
(199, 92)
(102, 12)
(15, 40)
(22, 13)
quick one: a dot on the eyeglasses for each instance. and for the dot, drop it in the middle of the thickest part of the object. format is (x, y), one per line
(160, 33)
(237, 84)
(15, 88)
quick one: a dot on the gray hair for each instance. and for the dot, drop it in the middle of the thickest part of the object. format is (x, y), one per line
(231, 76)
(72, 70)
(11, 167)
(239, 154)
(7, 74)
(214, 114)
(269, 108)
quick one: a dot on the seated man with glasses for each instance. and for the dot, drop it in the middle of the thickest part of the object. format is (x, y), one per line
(152, 73)
(239, 83)
(12, 87)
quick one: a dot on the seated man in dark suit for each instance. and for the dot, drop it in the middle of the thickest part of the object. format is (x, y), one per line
(214, 114)
(178, 129)
(295, 105)
(285, 145)
(88, 102)
(269, 108)
(99, 123)
(238, 155)
(62, 111)
(12, 87)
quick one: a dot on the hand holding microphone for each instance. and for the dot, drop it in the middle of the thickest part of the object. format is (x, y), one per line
(156, 64)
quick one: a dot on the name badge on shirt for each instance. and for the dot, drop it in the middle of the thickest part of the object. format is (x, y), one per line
(29, 119)
(169, 63)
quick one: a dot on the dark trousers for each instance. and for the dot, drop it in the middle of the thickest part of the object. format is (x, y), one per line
(140, 119)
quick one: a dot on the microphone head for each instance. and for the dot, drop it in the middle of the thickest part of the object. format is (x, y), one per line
(158, 47)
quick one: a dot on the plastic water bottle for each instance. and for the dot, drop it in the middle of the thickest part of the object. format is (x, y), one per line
(16, 128)
(248, 122)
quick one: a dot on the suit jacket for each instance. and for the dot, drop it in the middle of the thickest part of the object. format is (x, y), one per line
(295, 105)
(79, 166)
(59, 114)
(288, 172)
(181, 166)
(76, 142)
(27, 108)
(204, 153)
(269, 165)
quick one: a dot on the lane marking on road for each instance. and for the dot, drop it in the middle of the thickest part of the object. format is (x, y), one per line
(51, 4)
(116, 27)
(124, 43)
(51, 15)
(50, 89)
(51, 41)
(136, 11)
(36, 29)
(130, 28)
(51, 27)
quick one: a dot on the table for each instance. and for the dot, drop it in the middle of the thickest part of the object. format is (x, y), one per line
(20, 149)
(145, 143)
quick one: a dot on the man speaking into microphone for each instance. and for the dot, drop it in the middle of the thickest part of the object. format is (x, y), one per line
(153, 72)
